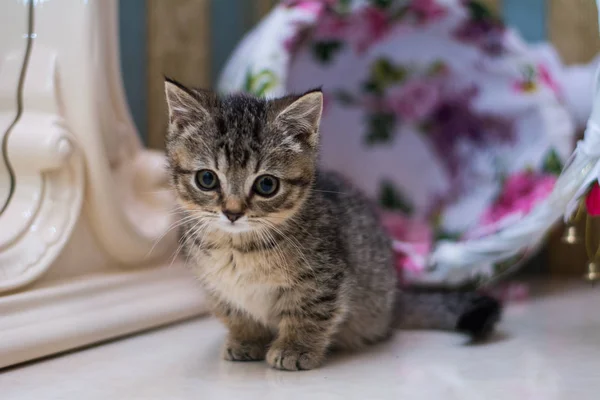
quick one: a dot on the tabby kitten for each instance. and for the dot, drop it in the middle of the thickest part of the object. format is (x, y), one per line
(294, 260)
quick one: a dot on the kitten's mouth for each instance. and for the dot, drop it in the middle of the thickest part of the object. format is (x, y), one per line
(240, 225)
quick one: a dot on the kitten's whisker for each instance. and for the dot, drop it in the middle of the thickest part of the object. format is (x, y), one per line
(174, 225)
(326, 191)
(196, 234)
(186, 237)
(283, 261)
(280, 255)
(189, 235)
(181, 210)
(296, 224)
(294, 243)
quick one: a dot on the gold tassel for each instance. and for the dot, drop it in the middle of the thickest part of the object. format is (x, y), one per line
(592, 275)
(570, 235)
(593, 251)
(592, 248)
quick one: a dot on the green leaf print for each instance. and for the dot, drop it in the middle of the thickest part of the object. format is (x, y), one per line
(391, 199)
(380, 128)
(324, 51)
(529, 73)
(382, 3)
(344, 6)
(383, 72)
(344, 97)
(479, 11)
(447, 235)
(436, 68)
(259, 84)
(439, 233)
(552, 163)
(372, 87)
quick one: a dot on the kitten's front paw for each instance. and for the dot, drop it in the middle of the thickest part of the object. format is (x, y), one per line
(293, 359)
(244, 351)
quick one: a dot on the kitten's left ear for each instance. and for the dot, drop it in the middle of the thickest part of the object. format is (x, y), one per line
(304, 116)
(184, 105)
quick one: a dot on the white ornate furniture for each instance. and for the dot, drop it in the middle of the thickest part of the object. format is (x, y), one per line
(84, 208)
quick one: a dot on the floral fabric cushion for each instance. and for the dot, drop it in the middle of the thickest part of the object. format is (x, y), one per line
(433, 107)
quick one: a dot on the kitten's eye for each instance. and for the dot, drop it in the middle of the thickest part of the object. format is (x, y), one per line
(266, 185)
(206, 180)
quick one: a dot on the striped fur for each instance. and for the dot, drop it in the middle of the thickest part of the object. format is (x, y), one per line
(311, 269)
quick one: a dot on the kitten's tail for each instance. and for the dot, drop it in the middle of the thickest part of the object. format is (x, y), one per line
(463, 311)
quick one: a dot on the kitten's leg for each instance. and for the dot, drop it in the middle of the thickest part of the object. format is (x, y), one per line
(304, 337)
(247, 339)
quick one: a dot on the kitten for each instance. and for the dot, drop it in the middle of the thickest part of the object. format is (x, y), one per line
(293, 260)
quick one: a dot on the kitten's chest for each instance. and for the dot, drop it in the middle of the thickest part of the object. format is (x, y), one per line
(246, 281)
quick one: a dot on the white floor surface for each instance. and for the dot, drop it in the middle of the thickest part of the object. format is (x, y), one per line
(547, 348)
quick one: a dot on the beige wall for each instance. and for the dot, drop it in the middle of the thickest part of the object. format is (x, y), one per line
(178, 46)
(573, 29)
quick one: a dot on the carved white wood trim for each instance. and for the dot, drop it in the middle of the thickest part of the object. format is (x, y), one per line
(74, 314)
(128, 206)
(46, 202)
(66, 277)
(75, 109)
(12, 53)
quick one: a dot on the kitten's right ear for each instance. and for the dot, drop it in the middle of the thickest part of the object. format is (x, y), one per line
(303, 115)
(184, 106)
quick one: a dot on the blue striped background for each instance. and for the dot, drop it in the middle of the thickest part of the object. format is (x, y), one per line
(528, 16)
(132, 37)
(230, 19)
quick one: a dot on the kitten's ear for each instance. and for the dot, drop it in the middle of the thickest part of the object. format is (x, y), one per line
(304, 116)
(184, 106)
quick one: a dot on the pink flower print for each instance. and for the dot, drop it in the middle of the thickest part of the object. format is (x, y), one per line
(368, 26)
(535, 76)
(547, 79)
(592, 200)
(454, 120)
(427, 10)
(293, 42)
(486, 33)
(312, 7)
(511, 292)
(412, 241)
(414, 100)
(331, 26)
(521, 192)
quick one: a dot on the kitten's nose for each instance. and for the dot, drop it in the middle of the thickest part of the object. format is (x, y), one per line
(232, 215)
